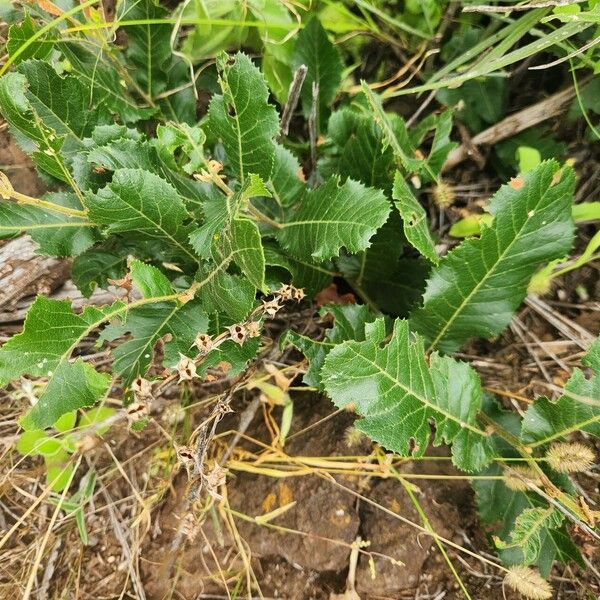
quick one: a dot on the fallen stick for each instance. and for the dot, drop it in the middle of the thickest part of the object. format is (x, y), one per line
(513, 124)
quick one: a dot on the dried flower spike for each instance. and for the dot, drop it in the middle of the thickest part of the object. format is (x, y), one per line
(141, 388)
(570, 458)
(204, 343)
(271, 307)
(443, 195)
(528, 582)
(516, 478)
(186, 368)
(238, 333)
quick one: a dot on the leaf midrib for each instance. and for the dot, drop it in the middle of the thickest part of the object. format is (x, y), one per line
(483, 280)
(420, 398)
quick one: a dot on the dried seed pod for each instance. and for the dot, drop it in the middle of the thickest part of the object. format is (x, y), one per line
(253, 329)
(271, 307)
(137, 411)
(189, 527)
(298, 294)
(141, 388)
(528, 582)
(186, 368)
(517, 477)
(213, 480)
(238, 333)
(204, 343)
(185, 457)
(570, 458)
(285, 292)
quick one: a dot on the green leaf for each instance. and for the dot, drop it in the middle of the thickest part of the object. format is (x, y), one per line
(51, 327)
(577, 409)
(359, 151)
(349, 324)
(286, 184)
(73, 385)
(107, 89)
(142, 204)
(49, 112)
(149, 45)
(19, 33)
(394, 133)
(95, 267)
(225, 293)
(173, 137)
(59, 472)
(311, 277)
(243, 243)
(149, 280)
(477, 287)
(242, 117)
(147, 324)
(395, 391)
(529, 531)
(414, 217)
(322, 58)
(332, 217)
(37, 443)
(56, 233)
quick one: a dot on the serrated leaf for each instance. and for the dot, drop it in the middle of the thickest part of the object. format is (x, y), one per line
(311, 277)
(359, 150)
(332, 217)
(577, 409)
(107, 89)
(52, 332)
(19, 33)
(95, 267)
(74, 385)
(394, 133)
(225, 293)
(414, 218)
(147, 324)
(149, 280)
(349, 324)
(529, 531)
(477, 287)
(286, 184)
(51, 328)
(149, 44)
(141, 203)
(242, 117)
(398, 394)
(56, 233)
(173, 137)
(131, 153)
(314, 50)
(48, 112)
(242, 241)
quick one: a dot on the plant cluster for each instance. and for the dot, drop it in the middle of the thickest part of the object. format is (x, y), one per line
(210, 225)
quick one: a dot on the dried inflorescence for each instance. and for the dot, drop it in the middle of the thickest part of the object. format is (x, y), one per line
(528, 582)
(186, 368)
(518, 477)
(570, 458)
